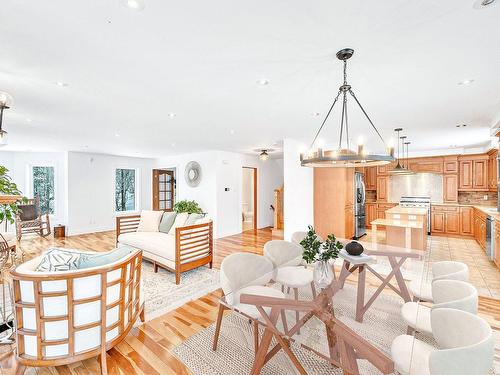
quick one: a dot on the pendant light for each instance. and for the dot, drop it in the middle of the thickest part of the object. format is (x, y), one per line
(264, 155)
(5, 103)
(398, 169)
(345, 157)
(407, 158)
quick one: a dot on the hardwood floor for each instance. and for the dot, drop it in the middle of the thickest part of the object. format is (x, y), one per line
(147, 349)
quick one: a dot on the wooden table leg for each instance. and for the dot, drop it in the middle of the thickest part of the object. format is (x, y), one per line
(396, 266)
(360, 304)
(343, 274)
(260, 357)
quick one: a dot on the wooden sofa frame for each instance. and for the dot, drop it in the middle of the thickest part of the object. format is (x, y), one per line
(132, 304)
(189, 240)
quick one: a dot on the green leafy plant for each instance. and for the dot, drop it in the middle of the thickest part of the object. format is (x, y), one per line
(316, 250)
(187, 206)
(7, 187)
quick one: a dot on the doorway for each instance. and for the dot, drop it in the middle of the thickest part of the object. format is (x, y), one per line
(249, 199)
(163, 189)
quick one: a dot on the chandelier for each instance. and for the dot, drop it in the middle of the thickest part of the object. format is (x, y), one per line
(345, 157)
(5, 102)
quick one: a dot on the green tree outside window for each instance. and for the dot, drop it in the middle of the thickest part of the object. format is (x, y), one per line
(125, 190)
(43, 187)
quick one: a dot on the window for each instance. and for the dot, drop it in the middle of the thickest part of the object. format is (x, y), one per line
(125, 190)
(43, 187)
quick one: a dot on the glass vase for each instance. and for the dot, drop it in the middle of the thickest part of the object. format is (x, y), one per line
(323, 275)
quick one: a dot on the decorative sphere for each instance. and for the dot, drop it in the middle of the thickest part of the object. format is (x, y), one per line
(354, 248)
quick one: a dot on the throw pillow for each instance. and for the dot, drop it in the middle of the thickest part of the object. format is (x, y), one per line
(96, 260)
(180, 221)
(193, 218)
(167, 221)
(150, 221)
(56, 259)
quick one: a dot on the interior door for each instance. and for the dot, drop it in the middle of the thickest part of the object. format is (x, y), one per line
(163, 190)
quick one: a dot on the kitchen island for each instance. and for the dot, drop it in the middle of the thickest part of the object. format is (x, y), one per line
(404, 227)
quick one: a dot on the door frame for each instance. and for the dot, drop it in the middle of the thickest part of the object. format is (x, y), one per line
(155, 196)
(254, 197)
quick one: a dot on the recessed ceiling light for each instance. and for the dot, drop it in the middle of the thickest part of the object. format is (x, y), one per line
(231, 131)
(465, 82)
(173, 144)
(171, 114)
(61, 84)
(315, 114)
(117, 135)
(136, 5)
(461, 125)
(263, 82)
(29, 120)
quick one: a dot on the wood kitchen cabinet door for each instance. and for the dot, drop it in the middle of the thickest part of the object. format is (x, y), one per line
(349, 222)
(382, 188)
(465, 175)
(480, 176)
(450, 164)
(371, 178)
(437, 222)
(466, 221)
(371, 213)
(492, 170)
(450, 188)
(452, 223)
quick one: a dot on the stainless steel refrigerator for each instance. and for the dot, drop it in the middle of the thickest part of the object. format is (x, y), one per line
(359, 206)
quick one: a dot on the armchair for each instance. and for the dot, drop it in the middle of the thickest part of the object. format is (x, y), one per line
(30, 219)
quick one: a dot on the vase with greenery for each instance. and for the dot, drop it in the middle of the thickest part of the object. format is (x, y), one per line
(190, 207)
(320, 253)
(8, 211)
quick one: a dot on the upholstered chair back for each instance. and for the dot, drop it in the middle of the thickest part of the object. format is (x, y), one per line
(68, 315)
(465, 341)
(450, 270)
(455, 294)
(283, 253)
(240, 270)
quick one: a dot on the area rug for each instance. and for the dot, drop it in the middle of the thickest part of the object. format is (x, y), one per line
(235, 353)
(161, 294)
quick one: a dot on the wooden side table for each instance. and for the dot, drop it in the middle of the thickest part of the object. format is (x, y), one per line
(59, 231)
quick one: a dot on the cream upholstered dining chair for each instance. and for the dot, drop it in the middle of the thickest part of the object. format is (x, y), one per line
(466, 346)
(289, 272)
(245, 273)
(453, 294)
(445, 270)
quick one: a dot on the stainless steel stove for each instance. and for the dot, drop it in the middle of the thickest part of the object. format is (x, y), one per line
(420, 202)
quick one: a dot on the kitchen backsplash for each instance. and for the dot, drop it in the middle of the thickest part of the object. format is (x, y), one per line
(416, 185)
(477, 197)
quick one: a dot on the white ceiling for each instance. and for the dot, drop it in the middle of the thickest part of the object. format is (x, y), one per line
(201, 60)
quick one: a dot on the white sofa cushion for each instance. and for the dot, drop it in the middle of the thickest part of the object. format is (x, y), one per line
(180, 220)
(157, 243)
(150, 221)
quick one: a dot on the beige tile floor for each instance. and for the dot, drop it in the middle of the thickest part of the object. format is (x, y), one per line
(483, 273)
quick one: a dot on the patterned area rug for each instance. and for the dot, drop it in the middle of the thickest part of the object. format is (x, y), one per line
(162, 294)
(235, 353)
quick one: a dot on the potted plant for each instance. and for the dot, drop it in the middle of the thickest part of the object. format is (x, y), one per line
(191, 207)
(320, 253)
(8, 211)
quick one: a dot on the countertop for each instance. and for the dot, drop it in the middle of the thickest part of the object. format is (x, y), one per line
(399, 223)
(407, 210)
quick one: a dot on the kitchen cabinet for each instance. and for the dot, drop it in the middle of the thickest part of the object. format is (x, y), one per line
(371, 178)
(445, 219)
(493, 170)
(382, 188)
(466, 221)
(429, 165)
(382, 170)
(334, 201)
(450, 164)
(450, 188)
(437, 222)
(480, 228)
(496, 259)
(452, 222)
(473, 173)
(371, 213)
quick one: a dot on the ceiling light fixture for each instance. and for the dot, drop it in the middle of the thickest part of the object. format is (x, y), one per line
(345, 157)
(461, 125)
(399, 169)
(231, 131)
(171, 114)
(61, 84)
(408, 171)
(136, 5)
(5, 103)
(29, 120)
(263, 82)
(481, 4)
(264, 155)
(465, 82)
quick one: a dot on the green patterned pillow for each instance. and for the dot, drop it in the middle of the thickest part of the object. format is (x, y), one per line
(57, 259)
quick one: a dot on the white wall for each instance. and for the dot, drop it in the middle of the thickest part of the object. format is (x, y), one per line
(298, 196)
(19, 165)
(91, 188)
